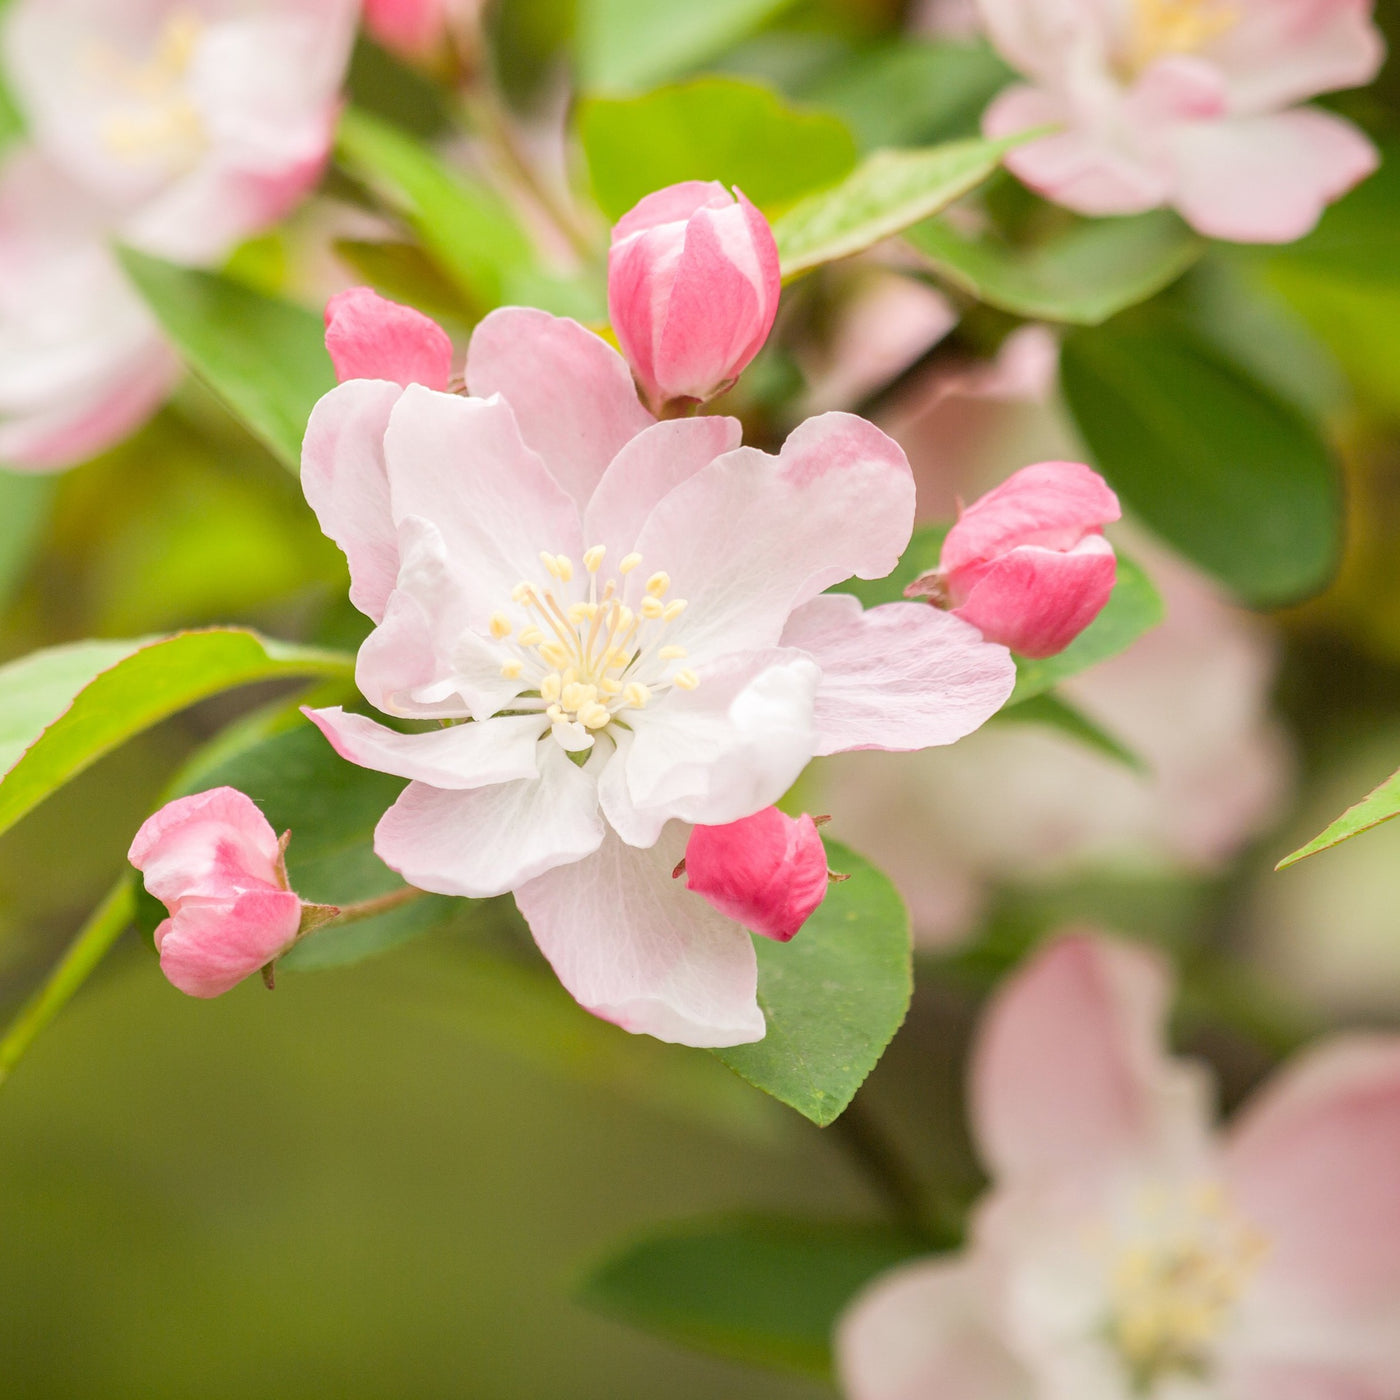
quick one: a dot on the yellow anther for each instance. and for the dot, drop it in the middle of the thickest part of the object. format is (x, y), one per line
(581, 612)
(674, 609)
(670, 653)
(511, 669)
(550, 686)
(608, 686)
(686, 680)
(594, 716)
(522, 592)
(551, 562)
(500, 626)
(554, 654)
(555, 713)
(623, 618)
(615, 657)
(652, 608)
(658, 583)
(563, 567)
(636, 695)
(576, 696)
(531, 637)
(593, 558)
(629, 562)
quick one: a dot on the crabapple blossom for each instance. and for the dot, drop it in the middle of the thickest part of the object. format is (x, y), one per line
(1187, 103)
(1027, 564)
(1125, 1248)
(416, 29)
(767, 872)
(622, 623)
(216, 864)
(693, 287)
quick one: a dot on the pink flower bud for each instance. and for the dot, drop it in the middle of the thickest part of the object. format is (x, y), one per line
(417, 29)
(371, 337)
(693, 288)
(216, 865)
(767, 872)
(1027, 564)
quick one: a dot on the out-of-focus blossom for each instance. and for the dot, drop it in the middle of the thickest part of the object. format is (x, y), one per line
(198, 122)
(1188, 103)
(767, 872)
(370, 337)
(418, 29)
(1126, 1249)
(1027, 564)
(82, 362)
(216, 865)
(693, 286)
(1022, 802)
(627, 620)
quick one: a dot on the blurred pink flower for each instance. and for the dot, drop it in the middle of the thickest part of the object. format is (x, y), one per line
(630, 613)
(198, 122)
(414, 29)
(216, 865)
(1027, 564)
(693, 287)
(1128, 1250)
(1188, 103)
(767, 872)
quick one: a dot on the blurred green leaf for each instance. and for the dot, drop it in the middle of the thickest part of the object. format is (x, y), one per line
(265, 358)
(710, 129)
(464, 224)
(25, 499)
(758, 1289)
(1084, 275)
(884, 195)
(627, 45)
(1375, 808)
(919, 557)
(63, 708)
(1134, 607)
(404, 272)
(1057, 713)
(834, 997)
(1215, 463)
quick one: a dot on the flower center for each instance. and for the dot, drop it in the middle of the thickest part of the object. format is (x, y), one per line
(149, 114)
(589, 655)
(1165, 27)
(1175, 1284)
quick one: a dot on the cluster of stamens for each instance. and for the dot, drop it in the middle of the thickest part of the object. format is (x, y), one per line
(589, 659)
(1165, 27)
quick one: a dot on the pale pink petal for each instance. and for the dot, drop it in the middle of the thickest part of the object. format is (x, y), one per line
(903, 676)
(637, 948)
(1179, 87)
(1266, 179)
(462, 756)
(462, 464)
(923, 1332)
(1294, 1380)
(213, 944)
(344, 478)
(570, 391)
(757, 536)
(370, 337)
(489, 840)
(655, 461)
(635, 825)
(672, 204)
(1070, 1073)
(730, 747)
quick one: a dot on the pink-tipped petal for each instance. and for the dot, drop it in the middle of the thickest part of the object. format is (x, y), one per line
(637, 948)
(371, 337)
(570, 391)
(903, 676)
(767, 872)
(671, 205)
(212, 945)
(1070, 1074)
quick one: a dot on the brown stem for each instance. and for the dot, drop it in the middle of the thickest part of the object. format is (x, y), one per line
(370, 908)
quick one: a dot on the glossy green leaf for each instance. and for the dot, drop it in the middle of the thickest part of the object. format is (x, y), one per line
(834, 997)
(63, 708)
(1375, 808)
(710, 129)
(1133, 608)
(1083, 275)
(884, 195)
(1219, 466)
(464, 224)
(25, 499)
(757, 1289)
(265, 358)
(628, 45)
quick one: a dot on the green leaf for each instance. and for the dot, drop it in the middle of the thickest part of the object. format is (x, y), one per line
(756, 1289)
(1218, 465)
(1084, 275)
(710, 129)
(464, 224)
(63, 708)
(265, 358)
(884, 195)
(628, 45)
(833, 997)
(404, 272)
(1059, 714)
(1375, 808)
(919, 557)
(1134, 607)
(25, 499)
